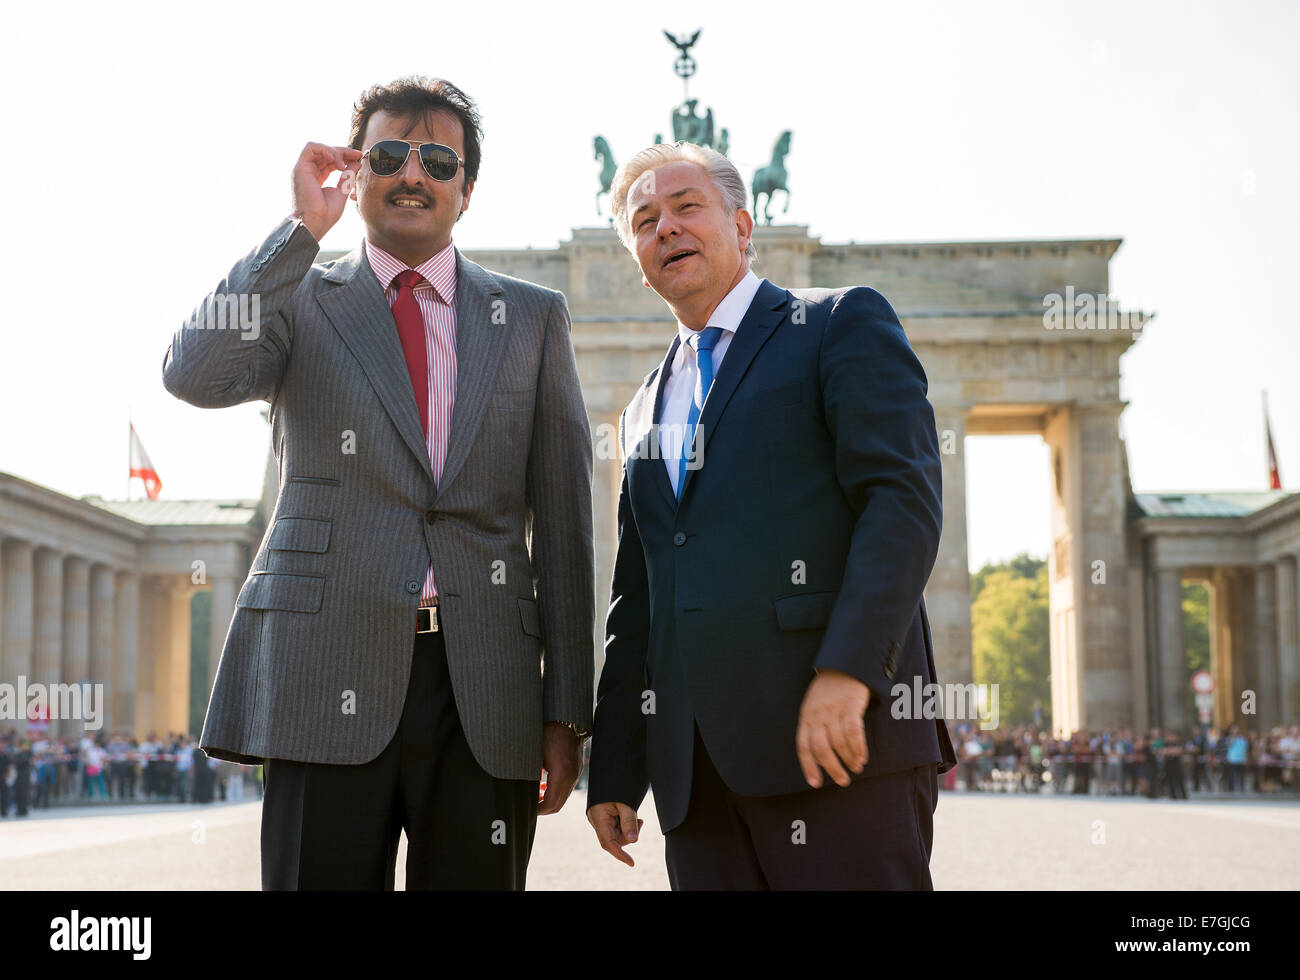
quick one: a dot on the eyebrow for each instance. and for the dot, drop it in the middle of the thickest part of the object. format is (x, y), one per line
(675, 194)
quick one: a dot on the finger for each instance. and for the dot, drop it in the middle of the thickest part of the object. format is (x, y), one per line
(850, 742)
(547, 803)
(609, 833)
(561, 795)
(826, 757)
(807, 761)
(320, 158)
(629, 825)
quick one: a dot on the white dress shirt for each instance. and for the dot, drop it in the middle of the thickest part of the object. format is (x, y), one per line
(679, 388)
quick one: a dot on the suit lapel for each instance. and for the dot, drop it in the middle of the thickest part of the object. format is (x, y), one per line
(478, 342)
(766, 311)
(359, 311)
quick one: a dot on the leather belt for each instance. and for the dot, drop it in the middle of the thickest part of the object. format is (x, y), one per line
(426, 618)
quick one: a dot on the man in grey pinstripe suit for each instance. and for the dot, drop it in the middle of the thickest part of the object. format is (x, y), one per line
(413, 644)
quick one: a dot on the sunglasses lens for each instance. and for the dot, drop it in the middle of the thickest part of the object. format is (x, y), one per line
(387, 156)
(440, 162)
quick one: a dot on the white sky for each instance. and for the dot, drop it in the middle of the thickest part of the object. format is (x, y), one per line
(1169, 124)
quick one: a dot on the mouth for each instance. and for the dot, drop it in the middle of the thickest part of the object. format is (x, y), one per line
(678, 256)
(408, 202)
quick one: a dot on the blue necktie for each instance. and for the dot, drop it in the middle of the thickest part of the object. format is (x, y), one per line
(703, 343)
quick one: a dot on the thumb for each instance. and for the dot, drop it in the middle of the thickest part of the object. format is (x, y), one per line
(628, 823)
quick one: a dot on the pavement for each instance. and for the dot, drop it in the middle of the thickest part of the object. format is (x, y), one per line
(982, 841)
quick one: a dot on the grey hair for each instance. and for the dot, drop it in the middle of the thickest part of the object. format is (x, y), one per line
(721, 171)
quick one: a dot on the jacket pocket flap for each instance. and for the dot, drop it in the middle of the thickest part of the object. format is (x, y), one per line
(528, 617)
(809, 611)
(282, 590)
(300, 534)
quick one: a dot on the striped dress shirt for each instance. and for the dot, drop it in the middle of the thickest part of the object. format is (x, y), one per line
(436, 298)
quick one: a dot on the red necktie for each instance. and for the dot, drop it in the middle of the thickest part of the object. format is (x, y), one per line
(410, 328)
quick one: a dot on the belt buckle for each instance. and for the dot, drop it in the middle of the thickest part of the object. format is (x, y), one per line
(426, 619)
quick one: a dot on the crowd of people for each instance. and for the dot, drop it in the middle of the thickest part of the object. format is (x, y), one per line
(38, 772)
(1162, 762)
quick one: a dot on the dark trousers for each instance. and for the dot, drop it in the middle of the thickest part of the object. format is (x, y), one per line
(1174, 772)
(337, 827)
(872, 834)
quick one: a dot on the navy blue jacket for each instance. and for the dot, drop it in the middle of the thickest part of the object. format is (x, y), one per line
(803, 540)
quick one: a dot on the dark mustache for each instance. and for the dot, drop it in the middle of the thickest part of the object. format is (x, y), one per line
(408, 192)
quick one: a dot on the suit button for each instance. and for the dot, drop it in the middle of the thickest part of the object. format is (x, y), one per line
(679, 538)
(430, 516)
(413, 586)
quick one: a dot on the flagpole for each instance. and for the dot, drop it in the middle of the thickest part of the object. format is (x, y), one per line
(1270, 448)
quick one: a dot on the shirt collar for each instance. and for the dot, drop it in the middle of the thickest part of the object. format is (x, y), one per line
(438, 270)
(731, 310)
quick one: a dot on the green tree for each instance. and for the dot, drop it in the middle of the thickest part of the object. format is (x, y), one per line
(1010, 636)
(1196, 635)
(1021, 566)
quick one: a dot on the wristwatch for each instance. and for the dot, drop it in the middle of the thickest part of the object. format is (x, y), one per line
(577, 730)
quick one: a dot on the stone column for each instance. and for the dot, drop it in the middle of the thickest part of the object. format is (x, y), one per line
(47, 652)
(103, 612)
(1268, 699)
(155, 636)
(1227, 643)
(76, 636)
(947, 595)
(224, 592)
(1173, 656)
(1288, 644)
(1061, 433)
(19, 607)
(177, 692)
(1102, 566)
(126, 647)
(1138, 619)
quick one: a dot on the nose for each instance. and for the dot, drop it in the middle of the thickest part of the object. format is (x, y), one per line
(667, 224)
(412, 169)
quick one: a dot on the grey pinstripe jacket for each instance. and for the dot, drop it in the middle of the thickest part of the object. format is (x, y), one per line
(316, 661)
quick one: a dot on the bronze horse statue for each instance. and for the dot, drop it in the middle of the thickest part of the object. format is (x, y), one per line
(769, 179)
(607, 168)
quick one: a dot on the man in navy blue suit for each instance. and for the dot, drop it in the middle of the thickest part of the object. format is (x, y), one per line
(778, 519)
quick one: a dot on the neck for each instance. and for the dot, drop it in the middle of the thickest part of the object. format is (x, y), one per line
(694, 311)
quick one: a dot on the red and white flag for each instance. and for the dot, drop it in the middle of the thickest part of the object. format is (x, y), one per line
(141, 467)
(1274, 474)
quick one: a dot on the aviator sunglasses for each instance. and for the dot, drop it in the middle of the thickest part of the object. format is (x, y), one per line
(387, 157)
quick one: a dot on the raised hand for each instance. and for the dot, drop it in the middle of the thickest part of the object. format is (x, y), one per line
(318, 206)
